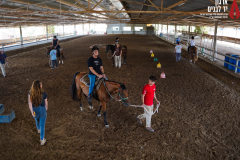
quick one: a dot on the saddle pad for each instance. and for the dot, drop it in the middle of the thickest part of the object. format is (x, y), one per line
(85, 80)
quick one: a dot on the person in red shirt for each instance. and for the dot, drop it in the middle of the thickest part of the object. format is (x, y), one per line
(148, 94)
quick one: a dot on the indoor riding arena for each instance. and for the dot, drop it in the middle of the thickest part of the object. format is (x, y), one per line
(198, 117)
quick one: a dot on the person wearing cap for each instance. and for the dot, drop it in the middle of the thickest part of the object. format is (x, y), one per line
(3, 60)
(192, 44)
(95, 70)
(178, 51)
(148, 94)
(55, 44)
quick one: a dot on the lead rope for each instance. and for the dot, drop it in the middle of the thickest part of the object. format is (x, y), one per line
(156, 110)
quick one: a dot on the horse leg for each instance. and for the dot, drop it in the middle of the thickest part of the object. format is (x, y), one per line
(61, 54)
(99, 111)
(105, 113)
(79, 94)
(90, 103)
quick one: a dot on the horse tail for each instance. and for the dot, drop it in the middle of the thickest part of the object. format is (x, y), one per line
(74, 88)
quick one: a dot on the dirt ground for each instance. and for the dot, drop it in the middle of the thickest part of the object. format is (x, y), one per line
(198, 117)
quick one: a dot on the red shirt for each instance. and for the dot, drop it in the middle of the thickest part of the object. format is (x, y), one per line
(149, 91)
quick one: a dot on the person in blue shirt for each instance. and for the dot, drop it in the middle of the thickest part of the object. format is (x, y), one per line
(95, 70)
(3, 59)
(53, 57)
(38, 105)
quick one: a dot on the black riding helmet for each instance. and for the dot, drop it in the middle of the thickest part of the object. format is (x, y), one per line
(95, 48)
(54, 36)
(192, 37)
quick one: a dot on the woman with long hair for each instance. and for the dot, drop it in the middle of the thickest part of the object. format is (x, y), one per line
(38, 105)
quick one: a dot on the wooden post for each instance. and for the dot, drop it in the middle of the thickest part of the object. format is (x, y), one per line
(215, 40)
(21, 35)
(175, 31)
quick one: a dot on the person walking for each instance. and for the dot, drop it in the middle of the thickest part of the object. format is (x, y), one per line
(53, 57)
(118, 55)
(148, 94)
(178, 51)
(38, 105)
(3, 61)
(191, 44)
(95, 70)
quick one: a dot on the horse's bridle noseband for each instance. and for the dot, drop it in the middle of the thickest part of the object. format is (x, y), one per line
(122, 99)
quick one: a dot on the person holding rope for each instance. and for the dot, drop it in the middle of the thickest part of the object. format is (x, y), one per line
(95, 70)
(148, 94)
(3, 58)
(118, 55)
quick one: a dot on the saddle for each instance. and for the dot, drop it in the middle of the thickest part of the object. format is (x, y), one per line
(85, 80)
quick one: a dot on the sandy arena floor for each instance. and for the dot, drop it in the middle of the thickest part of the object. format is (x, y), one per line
(198, 118)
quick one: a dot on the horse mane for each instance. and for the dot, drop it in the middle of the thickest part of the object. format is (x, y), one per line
(121, 85)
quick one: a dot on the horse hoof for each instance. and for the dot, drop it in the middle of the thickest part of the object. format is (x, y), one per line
(62, 62)
(59, 62)
(91, 108)
(99, 115)
(81, 109)
(107, 126)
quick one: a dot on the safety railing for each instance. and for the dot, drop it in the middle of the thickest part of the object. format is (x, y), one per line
(36, 40)
(202, 50)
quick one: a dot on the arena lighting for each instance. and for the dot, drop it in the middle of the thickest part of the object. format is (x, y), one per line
(181, 4)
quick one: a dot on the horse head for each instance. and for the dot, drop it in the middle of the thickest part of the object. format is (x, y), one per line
(123, 93)
(107, 48)
(48, 50)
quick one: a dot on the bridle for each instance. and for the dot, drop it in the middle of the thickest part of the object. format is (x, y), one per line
(119, 94)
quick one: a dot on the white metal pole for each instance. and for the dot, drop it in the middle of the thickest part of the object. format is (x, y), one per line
(188, 33)
(63, 30)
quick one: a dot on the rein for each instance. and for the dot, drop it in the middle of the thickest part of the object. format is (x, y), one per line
(122, 99)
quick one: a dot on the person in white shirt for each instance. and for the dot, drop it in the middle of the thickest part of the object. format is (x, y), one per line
(178, 51)
(191, 44)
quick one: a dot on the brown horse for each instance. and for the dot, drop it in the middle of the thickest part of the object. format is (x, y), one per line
(60, 55)
(193, 54)
(106, 90)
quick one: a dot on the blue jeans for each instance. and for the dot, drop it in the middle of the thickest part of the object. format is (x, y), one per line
(54, 61)
(40, 118)
(178, 56)
(92, 82)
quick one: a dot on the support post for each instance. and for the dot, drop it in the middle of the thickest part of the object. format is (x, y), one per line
(63, 30)
(47, 31)
(215, 40)
(188, 33)
(74, 29)
(175, 31)
(167, 32)
(83, 28)
(21, 35)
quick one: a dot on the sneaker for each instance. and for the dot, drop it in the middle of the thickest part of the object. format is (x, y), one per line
(43, 141)
(139, 121)
(39, 131)
(149, 129)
